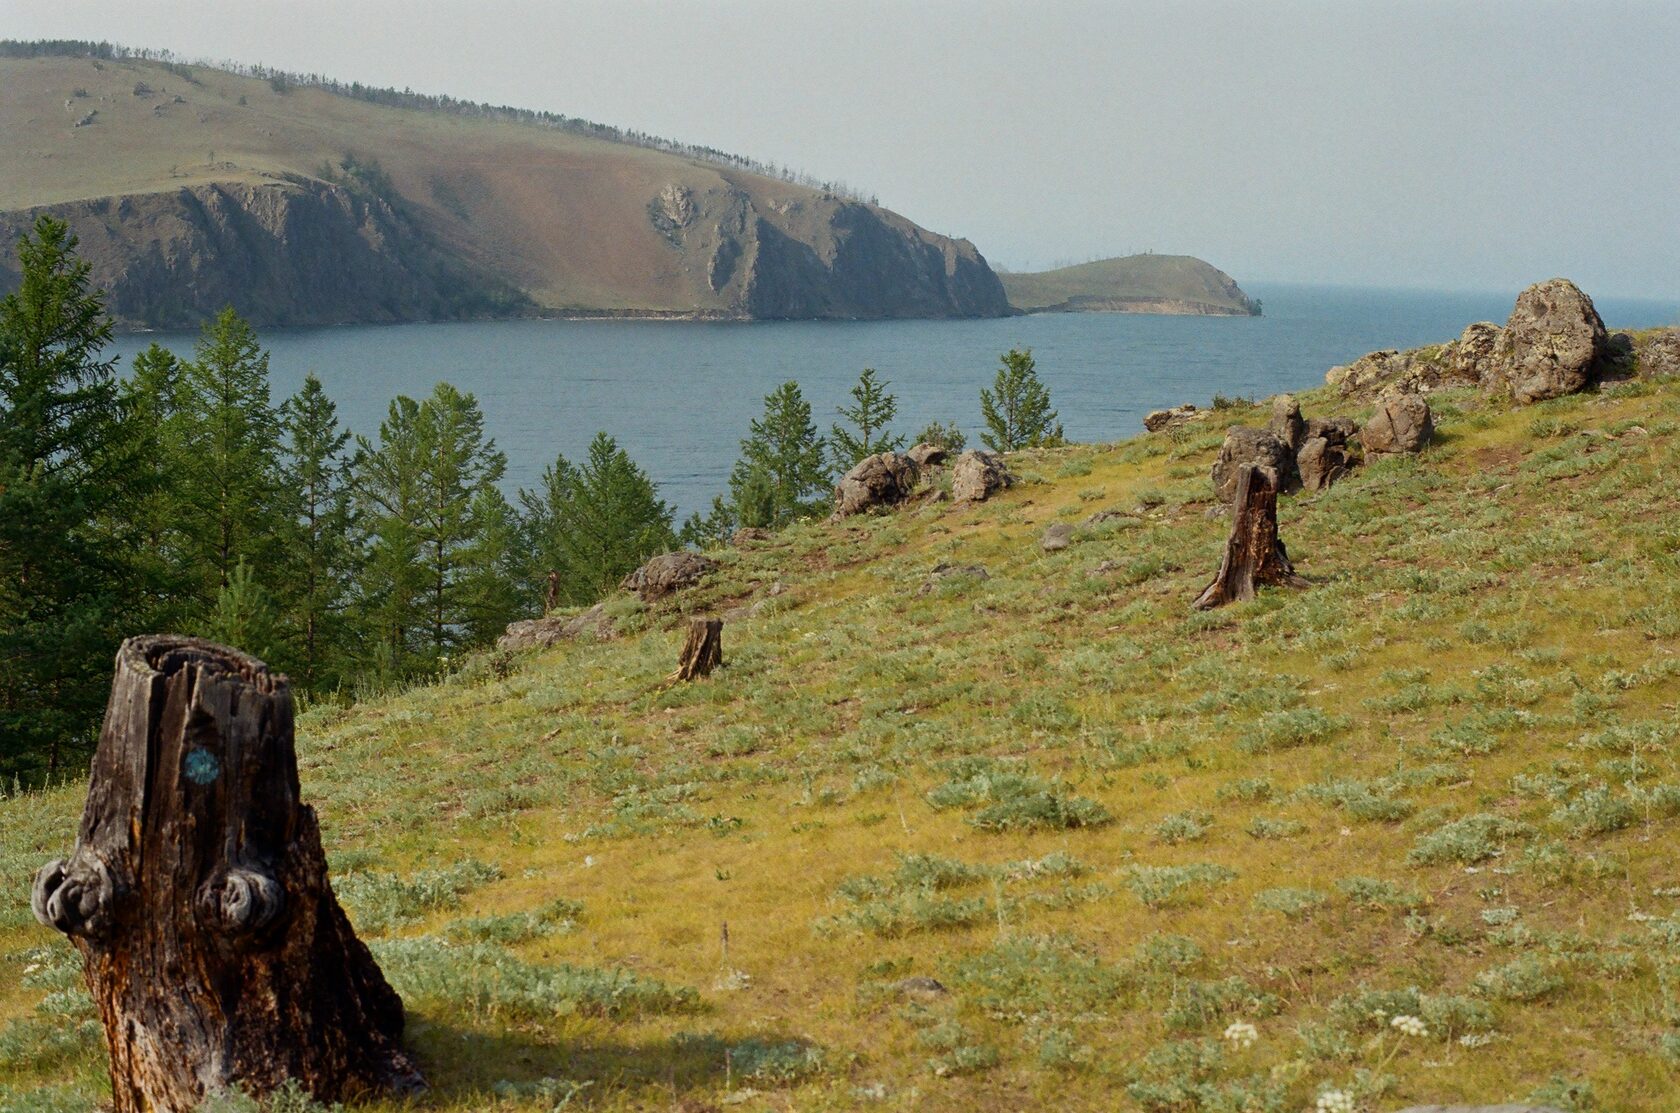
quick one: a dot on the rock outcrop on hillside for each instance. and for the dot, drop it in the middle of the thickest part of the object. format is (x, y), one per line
(1553, 344)
(289, 252)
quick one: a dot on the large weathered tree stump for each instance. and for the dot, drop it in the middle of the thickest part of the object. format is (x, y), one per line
(702, 650)
(197, 894)
(1254, 554)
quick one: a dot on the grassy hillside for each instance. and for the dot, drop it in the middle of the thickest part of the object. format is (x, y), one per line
(569, 220)
(1131, 284)
(1440, 783)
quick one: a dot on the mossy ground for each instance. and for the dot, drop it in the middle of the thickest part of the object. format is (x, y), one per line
(1441, 782)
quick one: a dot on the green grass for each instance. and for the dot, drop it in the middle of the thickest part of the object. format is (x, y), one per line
(1439, 783)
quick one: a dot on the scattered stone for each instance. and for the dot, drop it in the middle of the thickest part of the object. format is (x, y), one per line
(1480, 1109)
(1286, 424)
(1156, 420)
(1401, 424)
(926, 455)
(542, 633)
(667, 573)
(1102, 516)
(885, 479)
(920, 986)
(1057, 537)
(1245, 445)
(945, 570)
(747, 535)
(1107, 568)
(1553, 344)
(978, 475)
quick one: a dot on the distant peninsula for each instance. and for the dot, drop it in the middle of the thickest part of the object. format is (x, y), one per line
(1149, 283)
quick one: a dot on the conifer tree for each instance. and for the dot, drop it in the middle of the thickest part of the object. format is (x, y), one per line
(596, 522)
(245, 615)
(1017, 408)
(460, 463)
(319, 558)
(871, 411)
(780, 475)
(229, 456)
(68, 581)
(387, 489)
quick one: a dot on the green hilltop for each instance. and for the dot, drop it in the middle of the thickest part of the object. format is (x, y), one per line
(1038, 835)
(1148, 283)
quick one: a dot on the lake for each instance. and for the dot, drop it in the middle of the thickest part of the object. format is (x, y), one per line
(678, 395)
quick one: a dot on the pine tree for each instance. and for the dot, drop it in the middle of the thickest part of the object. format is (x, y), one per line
(595, 523)
(69, 584)
(438, 530)
(1017, 408)
(319, 560)
(946, 436)
(386, 485)
(229, 456)
(460, 462)
(871, 411)
(245, 615)
(780, 475)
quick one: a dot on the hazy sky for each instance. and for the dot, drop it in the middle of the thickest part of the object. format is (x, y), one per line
(1472, 145)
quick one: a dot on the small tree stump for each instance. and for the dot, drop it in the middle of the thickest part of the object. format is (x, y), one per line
(1254, 555)
(702, 651)
(197, 894)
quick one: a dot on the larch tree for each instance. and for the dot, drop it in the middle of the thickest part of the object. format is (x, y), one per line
(1017, 408)
(320, 560)
(68, 578)
(865, 432)
(781, 474)
(595, 522)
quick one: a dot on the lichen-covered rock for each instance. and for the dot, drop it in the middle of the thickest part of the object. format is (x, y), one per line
(927, 455)
(1056, 537)
(1325, 454)
(885, 479)
(1287, 424)
(1156, 420)
(1656, 355)
(1552, 345)
(669, 572)
(978, 475)
(1245, 445)
(541, 633)
(1401, 424)
(1369, 373)
(1471, 358)
(945, 570)
(1467, 361)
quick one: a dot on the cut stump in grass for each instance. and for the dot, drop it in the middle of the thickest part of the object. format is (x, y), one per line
(702, 650)
(198, 897)
(1254, 554)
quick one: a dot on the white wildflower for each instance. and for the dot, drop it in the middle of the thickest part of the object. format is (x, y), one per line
(1242, 1034)
(1335, 1101)
(1409, 1026)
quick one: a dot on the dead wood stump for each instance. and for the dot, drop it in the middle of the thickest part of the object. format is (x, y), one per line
(1254, 555)
(197, 894)
(702, 650)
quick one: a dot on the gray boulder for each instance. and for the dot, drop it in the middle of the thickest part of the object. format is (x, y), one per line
(978, 475)
(946, 570)
(1056, 537)
(885, 479)
(1286, 424)
(1244, 445)
(1325, 455)
(1401, 424)
(1472, 358)
(1553, 344)
(667, 573)
(927, 455)
(1156, 420)
(541, 633)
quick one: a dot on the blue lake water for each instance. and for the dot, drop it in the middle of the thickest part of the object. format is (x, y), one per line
(678, 396)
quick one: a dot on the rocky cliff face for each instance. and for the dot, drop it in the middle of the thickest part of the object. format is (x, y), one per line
(823, 258)
(301, 251)
(293, 251)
